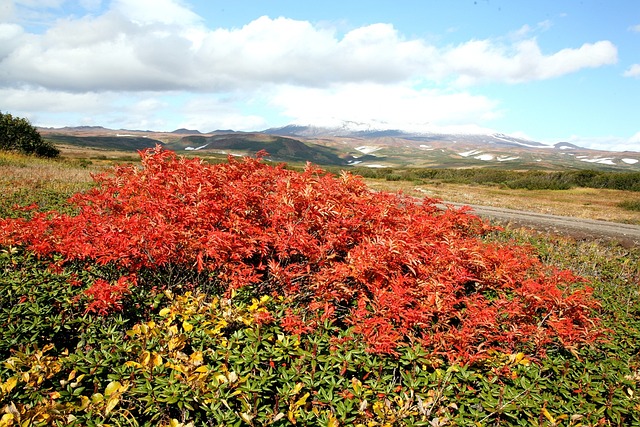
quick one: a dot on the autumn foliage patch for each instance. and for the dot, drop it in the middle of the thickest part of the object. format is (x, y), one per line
(396, 269)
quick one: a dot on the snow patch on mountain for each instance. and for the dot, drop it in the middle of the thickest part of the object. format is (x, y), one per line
(470, 153)
(196, 148)
(366, 149)
(600, 160)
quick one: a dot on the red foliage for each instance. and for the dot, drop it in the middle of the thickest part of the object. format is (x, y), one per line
(396, 268)
(106, 297)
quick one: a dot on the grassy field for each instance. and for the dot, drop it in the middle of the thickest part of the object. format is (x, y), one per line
(134, 368)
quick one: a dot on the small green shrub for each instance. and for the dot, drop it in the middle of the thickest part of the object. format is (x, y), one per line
(630, 205)
(17, 134)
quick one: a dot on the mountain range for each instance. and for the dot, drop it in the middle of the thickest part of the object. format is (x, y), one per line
(357, 146)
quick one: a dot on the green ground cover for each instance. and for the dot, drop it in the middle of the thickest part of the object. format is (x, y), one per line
(194, 354)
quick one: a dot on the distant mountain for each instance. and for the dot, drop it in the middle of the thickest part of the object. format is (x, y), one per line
(566, 146)
(359, 145)
(279, 148)
(345, 131)
(128, 143)
(183, 131)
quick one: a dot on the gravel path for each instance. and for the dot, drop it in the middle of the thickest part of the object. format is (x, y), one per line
(581, 229)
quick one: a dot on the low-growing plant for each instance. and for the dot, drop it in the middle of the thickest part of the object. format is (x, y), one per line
(198, 359)
(630, 205)
(181, 294)
(398, 270)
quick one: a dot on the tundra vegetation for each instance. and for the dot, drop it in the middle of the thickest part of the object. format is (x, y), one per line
(178, 292)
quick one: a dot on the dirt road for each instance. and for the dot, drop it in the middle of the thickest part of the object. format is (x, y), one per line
(581, 229)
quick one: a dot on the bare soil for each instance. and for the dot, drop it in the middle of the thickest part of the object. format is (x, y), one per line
(626, 235)
(581, 213)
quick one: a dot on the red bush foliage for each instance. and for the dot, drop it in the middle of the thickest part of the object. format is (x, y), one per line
(396, 268)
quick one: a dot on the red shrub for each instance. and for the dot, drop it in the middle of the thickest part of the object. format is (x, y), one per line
(396, 268)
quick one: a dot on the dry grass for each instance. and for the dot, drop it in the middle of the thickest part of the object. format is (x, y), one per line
(19, 173)
(580, 202)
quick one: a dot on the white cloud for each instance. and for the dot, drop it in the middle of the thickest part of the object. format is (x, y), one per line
(635, 28)
(385, 106)
(154, 45)
(43, 100)
(608, 143)
(482, 60)
(7, 10)
(170, 12)
(208, 113)
(633, 71)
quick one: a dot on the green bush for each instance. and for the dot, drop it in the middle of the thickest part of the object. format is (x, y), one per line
(630, 205)
(17, 134)
(531, 180)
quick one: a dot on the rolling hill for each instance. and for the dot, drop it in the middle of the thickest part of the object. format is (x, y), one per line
(358, 147)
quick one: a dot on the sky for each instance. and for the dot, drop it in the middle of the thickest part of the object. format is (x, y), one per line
(545, 70)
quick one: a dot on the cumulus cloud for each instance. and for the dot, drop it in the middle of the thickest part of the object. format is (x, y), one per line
(146, 45)
(481, 60)
(386, 106)
(633, 71)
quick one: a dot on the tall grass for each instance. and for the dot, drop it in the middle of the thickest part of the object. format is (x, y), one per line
(531, 180)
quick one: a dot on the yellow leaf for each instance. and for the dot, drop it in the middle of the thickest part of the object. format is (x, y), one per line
(156, 359)
(291, 416)
(164, 312)
(112, 387)
(246, 417)
(202, 369)
(196, 358)
(84, 402)
(548, 416)
(356, 384)
(187, 326)
(111, 403)
(9, 384)
(333, 421)
(302, 400)
(6, 420)
(97, 398)
(296, 389)
(132, 364)
(144, 358)
(175, 342)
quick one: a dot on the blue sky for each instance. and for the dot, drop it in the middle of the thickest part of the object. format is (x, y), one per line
(545, 70)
